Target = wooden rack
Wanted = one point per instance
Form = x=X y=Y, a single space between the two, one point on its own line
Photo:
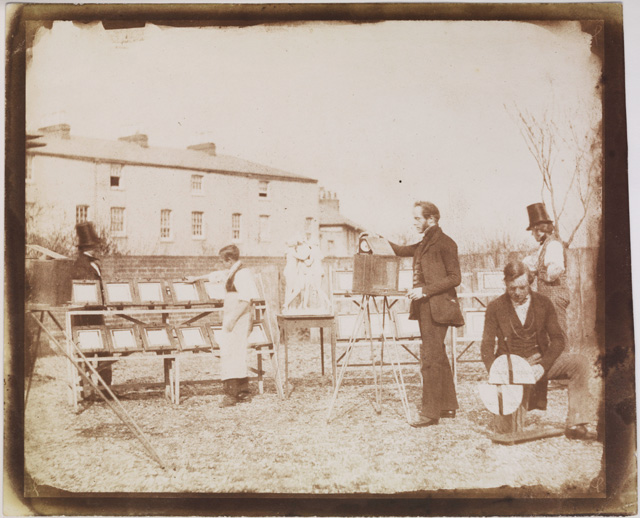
x=171 y=318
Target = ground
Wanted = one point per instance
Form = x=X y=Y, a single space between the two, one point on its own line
x=275 y=446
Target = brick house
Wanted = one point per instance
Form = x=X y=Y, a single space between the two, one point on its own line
x=338 y=235
x=163 y=201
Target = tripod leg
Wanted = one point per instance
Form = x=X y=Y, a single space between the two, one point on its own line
x=378 y=389
x=396 y=367
x=35 y=351
x=354 y=334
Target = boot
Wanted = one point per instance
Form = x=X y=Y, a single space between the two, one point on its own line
x=244 y=393
x=229 y=390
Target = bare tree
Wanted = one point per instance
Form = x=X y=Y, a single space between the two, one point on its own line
x=580 y=153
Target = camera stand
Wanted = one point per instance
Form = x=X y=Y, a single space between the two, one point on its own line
x=364 y=319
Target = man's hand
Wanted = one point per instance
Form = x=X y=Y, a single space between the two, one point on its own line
x=535 y=359
x=538 y=371
x=415 y=293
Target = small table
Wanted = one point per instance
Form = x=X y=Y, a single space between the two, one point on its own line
x=289 y=323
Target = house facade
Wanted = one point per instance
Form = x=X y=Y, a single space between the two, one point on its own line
x=161 y=201
x=338 y=235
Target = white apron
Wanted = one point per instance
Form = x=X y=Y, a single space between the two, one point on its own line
x=234 y=344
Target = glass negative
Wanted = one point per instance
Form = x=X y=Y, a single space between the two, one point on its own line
x=119 y=292
x=85 y=293
x=124 y=339
x=193 y=337
x=158 y=337
x=150 y=291
x=185 y=291
x=90 y=339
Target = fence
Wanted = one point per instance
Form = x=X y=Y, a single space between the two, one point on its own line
x=582 y=273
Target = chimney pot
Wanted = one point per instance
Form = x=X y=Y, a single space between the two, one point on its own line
x=206 y=147
x=139 y=138
x=57 y=130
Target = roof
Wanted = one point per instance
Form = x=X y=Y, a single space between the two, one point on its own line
x=83 y=148
x=332 y=218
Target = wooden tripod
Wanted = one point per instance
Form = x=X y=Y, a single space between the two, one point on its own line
x=364 y=319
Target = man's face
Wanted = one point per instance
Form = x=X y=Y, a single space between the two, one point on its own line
x=537 y=234
x=419 y=222
x=518 y=289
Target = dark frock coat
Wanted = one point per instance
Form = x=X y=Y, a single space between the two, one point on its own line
x=436 y=256
x=549 y=337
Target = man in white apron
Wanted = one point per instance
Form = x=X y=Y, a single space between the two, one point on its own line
x=237 y=322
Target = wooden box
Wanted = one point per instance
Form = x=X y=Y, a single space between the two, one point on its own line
x=376 y=274
x=49 y=281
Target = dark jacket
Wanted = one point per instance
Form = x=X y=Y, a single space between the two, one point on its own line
x=549 y=337
x=438 y=258
x=497 y=324
x=82 y=270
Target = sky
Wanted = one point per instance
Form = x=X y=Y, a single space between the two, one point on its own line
x=383 y=114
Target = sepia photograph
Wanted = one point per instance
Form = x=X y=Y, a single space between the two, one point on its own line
x=318 y=259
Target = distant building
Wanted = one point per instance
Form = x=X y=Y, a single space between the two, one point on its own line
x=165 y=201
x=338 y=235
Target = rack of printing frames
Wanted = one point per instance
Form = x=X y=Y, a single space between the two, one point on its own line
x=142 y=319
x=157 y=318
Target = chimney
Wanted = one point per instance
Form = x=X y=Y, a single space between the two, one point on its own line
x=57 y=130
x=207 y=147
x=139 y=138
x=329 y=201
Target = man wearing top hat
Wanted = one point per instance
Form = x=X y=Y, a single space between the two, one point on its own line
x=549 y=263
x=87 y=267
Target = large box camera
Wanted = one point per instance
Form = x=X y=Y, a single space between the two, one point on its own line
x=376 y=268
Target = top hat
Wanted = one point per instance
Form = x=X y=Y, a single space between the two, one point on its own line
x=537 y=214
x=87 y=235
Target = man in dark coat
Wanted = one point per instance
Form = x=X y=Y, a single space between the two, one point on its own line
x=525 y=324
x=87 y=267
x=434 y=303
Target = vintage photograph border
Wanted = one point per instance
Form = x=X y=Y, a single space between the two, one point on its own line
x=614 y=312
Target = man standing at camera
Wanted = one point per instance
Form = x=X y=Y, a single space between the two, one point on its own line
x=434 y=303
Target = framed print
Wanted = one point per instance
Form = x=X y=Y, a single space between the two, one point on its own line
x=86 y=293
x=92 y=339
x=119 y=293
x=159 y=338
x=193 y=338
x=152 y=292
x=125 y=339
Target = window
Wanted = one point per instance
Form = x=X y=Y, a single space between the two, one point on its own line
x=264 y=231
x=117 y=220
x=331 y=247
x=263 y=189
x=308 y=227
x=196 y=183
x=197 y=225
x=115 y=172
x=165 y=225
x=82 y=213
x=236 y=221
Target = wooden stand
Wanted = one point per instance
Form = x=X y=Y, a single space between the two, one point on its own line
x=170 y=358
x=290 y=323
x=510 y=429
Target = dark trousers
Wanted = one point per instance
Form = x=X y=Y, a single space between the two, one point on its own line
x=438 y=390
x=575 y=368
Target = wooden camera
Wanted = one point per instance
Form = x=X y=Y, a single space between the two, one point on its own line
x=376 y=268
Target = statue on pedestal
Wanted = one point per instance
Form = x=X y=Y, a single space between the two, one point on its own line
x=303 y=274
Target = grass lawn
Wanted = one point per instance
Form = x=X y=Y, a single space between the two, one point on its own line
x=273 y=446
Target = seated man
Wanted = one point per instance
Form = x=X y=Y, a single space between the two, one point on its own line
x=525 y=324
